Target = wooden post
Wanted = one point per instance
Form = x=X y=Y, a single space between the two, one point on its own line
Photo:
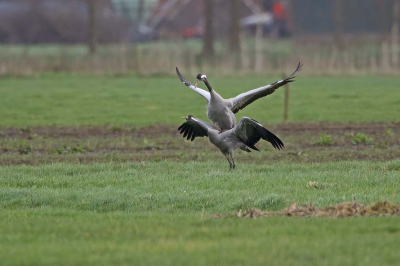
x=286 y=110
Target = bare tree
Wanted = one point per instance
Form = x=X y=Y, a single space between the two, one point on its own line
x=92 y=27
x=395 y=33
x=234 y=30
x=258 y=43
x=234 y=33
x=258 y=64
x=208 y=39
x=338 y=23
x=382 y=19
x=140 y=11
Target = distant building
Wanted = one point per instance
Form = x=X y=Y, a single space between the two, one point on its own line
x=185 y=18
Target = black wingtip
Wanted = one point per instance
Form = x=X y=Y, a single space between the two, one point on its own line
x=179 y=74
x=291 y=77
x=181 y=78
x=271 y=138
x=299 y=66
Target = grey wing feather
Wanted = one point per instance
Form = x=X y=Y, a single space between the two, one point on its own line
x=195 y=128
x=246 y=98
x=250 y=132
x=203 y=93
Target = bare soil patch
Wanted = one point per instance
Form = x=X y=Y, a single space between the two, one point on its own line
x=109 y=131
x=87 y=144
x=82 y=132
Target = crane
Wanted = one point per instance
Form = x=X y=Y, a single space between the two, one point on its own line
x=243 y=136
x=222 y=111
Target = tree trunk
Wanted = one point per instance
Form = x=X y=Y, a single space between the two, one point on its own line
x=258 y=43
x=338 y=23
x=208 y=39
x=234 y=30
x=382 y=20
x=92 y=27
x=395 y=33
x=234 y=34
x=244 y=54
x=258 y=48
x=140 y=12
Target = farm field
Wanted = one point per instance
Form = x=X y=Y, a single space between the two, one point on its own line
x=159 y=213
x=94 y=100
x=94 y=172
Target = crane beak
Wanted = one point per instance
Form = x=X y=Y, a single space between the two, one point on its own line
x=197 y=82
x=184 y=117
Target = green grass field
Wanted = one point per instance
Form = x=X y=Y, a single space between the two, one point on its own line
x=94 y=172
x=151 y=214
x=93 y=100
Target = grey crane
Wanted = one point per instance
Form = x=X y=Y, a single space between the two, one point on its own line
x=243 y=136
x=222 y=111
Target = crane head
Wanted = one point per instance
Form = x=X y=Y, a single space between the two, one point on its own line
x=200 y=77
x=189 y=117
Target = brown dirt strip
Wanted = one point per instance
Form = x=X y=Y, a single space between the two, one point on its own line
x=88 y=144
x=107 y=131
x=342 y=210
x=82 y=132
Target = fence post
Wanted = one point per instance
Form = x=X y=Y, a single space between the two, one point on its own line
x=286 y=110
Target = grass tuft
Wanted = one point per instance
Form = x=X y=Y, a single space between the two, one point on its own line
x=361 y=138
x=324 y=140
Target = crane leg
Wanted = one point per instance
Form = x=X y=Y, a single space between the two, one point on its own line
x=227 y=157
x=233 y=161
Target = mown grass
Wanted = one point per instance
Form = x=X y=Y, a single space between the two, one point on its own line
x=77 y=99
x=151 y=214
x=171 y=187
x=73 y=238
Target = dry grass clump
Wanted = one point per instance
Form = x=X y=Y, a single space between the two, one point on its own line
x=341 y=210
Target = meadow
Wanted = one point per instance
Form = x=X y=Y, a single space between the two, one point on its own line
x=67 y=99
x=94 y=172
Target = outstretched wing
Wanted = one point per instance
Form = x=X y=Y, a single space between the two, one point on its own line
x=250 y=132
x=246 y=98
x=195 y=127
x=203 y=93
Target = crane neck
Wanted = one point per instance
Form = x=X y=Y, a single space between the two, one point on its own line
x=208 y=85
